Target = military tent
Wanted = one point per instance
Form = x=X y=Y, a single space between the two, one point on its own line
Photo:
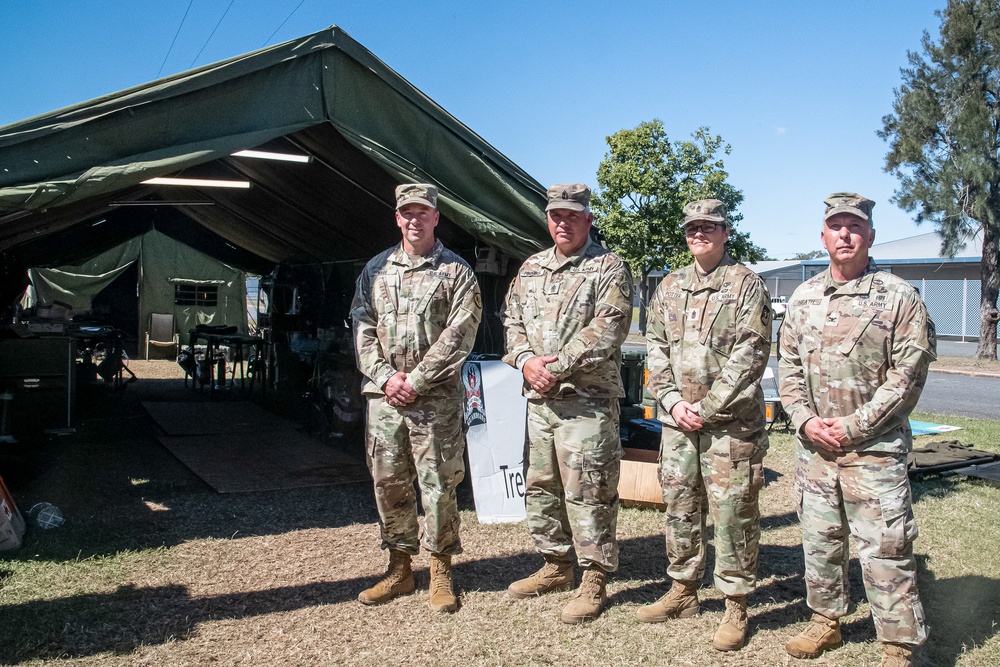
x=75 y=182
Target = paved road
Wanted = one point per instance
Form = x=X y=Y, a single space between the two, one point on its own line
x=950 y=394
x=946 y=393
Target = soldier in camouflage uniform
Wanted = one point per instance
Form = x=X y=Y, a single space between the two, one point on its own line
x=855 y=348
x=568 y=312
x=708 y=342
x=416 y=310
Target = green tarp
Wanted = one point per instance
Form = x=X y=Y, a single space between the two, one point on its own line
x=366 y=127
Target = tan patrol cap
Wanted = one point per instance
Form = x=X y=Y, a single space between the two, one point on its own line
x=709 y=210
x=416 y=193
x=849 y=202
x=572 y=196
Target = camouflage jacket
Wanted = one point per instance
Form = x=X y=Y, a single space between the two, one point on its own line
x=858 y=351
x=419 y=318
x=577 y=308
x=707 y=342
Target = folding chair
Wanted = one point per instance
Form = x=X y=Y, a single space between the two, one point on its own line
x=161 y=332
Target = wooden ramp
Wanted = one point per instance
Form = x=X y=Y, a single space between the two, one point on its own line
x=237 y=447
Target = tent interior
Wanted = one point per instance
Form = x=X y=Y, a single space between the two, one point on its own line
x=147 y=275
x=76 y=182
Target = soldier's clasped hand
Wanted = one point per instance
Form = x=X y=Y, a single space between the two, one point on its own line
x=686 y=415
x=823 y=435
x=398 y=391
x=537 y=375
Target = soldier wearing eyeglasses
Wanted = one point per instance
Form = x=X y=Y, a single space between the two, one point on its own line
x=708 y=341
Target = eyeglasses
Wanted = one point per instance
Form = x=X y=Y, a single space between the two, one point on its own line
x=704 y=228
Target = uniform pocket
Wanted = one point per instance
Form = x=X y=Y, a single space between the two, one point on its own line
x=599 y=471
x=899 y=528
x=741 y=450
x=865 y=344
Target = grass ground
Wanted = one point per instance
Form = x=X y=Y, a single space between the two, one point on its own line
x=154 y=568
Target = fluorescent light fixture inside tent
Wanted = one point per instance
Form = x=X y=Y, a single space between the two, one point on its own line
x=198 y=182
x=267 y=155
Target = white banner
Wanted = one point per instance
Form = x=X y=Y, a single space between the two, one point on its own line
x=495 y=412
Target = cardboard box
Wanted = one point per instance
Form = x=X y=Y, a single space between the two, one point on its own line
x=639 y=481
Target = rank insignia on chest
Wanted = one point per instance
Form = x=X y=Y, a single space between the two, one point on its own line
x=553 y=288
x=405 y=292
x=692 y=314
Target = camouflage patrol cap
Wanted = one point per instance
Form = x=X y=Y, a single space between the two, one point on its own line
x=572 y=196
x=709 y=210
x=416 y=193
x=849 y=202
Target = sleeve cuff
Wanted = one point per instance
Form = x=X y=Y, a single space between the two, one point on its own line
x=853 y=430
x=382 y=379
x=669 y=399
x=522 y=359
x=799 y=418
x=416 y=380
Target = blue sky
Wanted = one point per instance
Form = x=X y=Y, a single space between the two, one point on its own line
x=798 y=89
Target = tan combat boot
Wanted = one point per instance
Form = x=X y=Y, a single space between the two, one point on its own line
x=822 y=634
x=554 y=576
x=442 y=594
x=589 y=599
x=732 y=632
x=680 y=602
x=398 y=580
x=896 y=655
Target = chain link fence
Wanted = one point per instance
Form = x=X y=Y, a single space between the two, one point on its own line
x=953 y=305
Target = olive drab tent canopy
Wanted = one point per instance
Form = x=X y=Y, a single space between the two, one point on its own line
x=71 y=181
x=172 y=279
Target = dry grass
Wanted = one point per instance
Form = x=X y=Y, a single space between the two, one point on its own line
x=966 y=365
x=154 y=568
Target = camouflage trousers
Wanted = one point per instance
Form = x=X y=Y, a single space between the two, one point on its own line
x=717 y=475
x=422 y=441
x=866 y=494
x=571 y=498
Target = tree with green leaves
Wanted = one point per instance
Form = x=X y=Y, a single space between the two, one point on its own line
x=944 y=137
x=643 y=183
x=812 y=254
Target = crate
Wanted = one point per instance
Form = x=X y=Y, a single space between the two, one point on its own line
x=639 y=480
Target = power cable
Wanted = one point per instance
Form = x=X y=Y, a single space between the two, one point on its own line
x=184 y=18
x=231 y=2
x=282 y=23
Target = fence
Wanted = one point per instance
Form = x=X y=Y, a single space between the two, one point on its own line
x=953 y=305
